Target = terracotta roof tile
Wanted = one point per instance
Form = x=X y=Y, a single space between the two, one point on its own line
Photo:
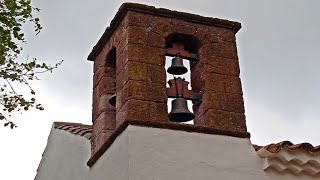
x=87 y=135
x=84 y=131
x=286 y=157
x=75 y=128
x=76 y=131
x=287 y=145
x=64 y=127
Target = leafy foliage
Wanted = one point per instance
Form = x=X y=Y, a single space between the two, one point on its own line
x=13 y=15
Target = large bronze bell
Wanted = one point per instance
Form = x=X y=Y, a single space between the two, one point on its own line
x=177 y=67
x=112 y=100
x=180 y=111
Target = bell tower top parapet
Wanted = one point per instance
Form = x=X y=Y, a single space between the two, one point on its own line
x=151 y=10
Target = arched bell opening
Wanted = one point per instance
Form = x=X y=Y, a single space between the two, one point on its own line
x=187 y=78
x=189 y=42
x=111 y=64
x=181 y=54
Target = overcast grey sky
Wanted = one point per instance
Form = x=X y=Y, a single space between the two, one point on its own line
x=278 y=50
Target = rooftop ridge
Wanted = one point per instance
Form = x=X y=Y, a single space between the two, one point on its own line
x=288 y=145
x=86 y=131
x=75 y=128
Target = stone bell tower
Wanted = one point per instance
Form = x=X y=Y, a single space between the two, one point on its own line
x=129 y=64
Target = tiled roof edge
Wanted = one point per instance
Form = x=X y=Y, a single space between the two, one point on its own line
x=287 y=145
x=125 y=7
x=161 y=125
x=75 y=128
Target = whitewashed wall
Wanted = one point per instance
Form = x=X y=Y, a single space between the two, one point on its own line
x=64 y=157
x=141 y=153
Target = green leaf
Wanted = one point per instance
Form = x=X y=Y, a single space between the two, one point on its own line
x=16 y=28
x=13 y=16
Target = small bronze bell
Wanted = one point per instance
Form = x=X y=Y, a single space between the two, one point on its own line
x=177 y=67
x=180 y=111
x=112 y=100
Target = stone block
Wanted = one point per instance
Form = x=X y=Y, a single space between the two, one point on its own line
x=94 y=96
x=144 y=36
x=118 y=35
x=228 y=50
x=158 y=111
x=132 y=71
x=100 y=60
x=207 y=82
x=203 y=81
x=233 y=85
x=146 y=54
x=104 y=105
x=133 y=110
x=219 y=101
x=103 y=71
x=122 y=44
x=122 y=59
x=220 y=49
x=156 y=74
x=145 y=91
x=101 y=105
x=140 y=20
x=209 y=50
x=207 y=34
x=119 y=100
x=94 y=114
x=210 y=101
x=105 y=121
x=100 y=139
x=164 y=27
x=95 y=103
x=231 y=102
x=183 y=27
x=223 y=120
x=106 y=86
x=217 y=65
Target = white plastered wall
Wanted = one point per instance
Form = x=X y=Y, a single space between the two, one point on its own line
x=64 y=157
x=141 y=153
x=168 y=154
